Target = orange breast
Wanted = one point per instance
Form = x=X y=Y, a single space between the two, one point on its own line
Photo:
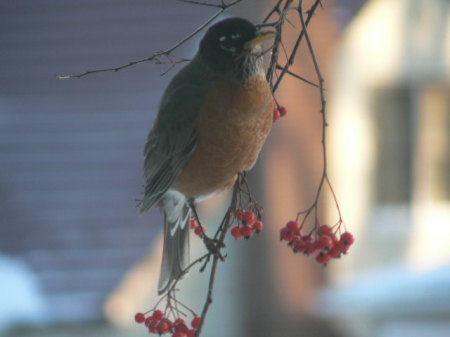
x=233 y=124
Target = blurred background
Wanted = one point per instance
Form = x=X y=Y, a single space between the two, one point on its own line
x=76 y=257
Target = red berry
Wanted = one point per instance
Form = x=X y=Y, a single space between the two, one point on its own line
x=282 y=111
x=323 y=258
x=158 y=315
x=310 y=248
x=148 y=320
x=293 y=226
x=324 y=230
x=307 y=238
x=194 y=224
x=236 y=232
x=152 y=326
x=200 y=230
x=325 y=242
x=169 y=323
x=285 y=234
x=249 y=218
x=276 y=114
x=196 y=322
x=347 y=239
x=310 y=245
x=139 y=317
x=162 y=327
x=343 y=247
x=335 y=250
x=299 y=245
x=258 y=226
x=179 y=321
x=191 y=333
x=181 y=327
x=179 y=334
x=240 y=214
x=246 y=231
x=333 y=237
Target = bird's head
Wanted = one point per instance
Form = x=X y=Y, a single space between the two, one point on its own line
x=234 y=46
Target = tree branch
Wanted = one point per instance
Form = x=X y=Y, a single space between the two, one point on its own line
x=223 y=7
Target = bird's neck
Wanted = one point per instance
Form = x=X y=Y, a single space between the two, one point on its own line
x=242 y=69
x=248 y=67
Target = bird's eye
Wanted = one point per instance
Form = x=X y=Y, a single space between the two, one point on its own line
x=230 y=49
x=227 y=43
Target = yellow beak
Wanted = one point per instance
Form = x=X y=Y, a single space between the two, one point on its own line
x=262 y=37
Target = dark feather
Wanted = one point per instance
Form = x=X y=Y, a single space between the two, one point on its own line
x=173 y=138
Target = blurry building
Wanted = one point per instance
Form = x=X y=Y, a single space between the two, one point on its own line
x=390 y=148
x=70 y=167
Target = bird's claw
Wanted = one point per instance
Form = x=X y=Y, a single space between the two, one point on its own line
x=214 y=246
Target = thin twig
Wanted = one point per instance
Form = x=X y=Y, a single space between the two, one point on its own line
x=324 y=178
x=185 y=270
x=278 y=39
x=275 y=9
x=336 y=203
x=298 y=76
x=222 y=5
x=228 y=219
x=222 y=9
x=297 y=42
x=200 y=3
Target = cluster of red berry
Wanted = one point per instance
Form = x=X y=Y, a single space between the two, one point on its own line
x=278 y=112
x=322 y=242
x=158 y=324
x=197 y=228
x=249 y=225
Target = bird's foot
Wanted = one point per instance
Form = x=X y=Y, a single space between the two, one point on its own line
x=214 y=246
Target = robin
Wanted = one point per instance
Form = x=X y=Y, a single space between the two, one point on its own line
x=212 y=122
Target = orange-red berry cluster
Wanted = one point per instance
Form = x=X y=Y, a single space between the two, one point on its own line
x=158 y=324
x=197 y=228
x=322 y=242
x=248 y=225
x=278 y=112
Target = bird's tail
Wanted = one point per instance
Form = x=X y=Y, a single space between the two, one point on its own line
x=177 y=214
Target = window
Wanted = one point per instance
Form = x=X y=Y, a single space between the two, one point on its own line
x=394 y=124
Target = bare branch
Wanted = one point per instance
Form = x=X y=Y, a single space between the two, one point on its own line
x=297 y=43
x=132 y=63
x=278 y=39
x=200 y=3
x=324 y=178
x=223 y=7
x=298 y=76
x=223 y=229
x=275 y=9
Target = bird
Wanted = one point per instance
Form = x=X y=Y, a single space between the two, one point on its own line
x=212 y=122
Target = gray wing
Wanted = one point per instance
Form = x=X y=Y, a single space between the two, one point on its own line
x=172 y=139
x=175 y=258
